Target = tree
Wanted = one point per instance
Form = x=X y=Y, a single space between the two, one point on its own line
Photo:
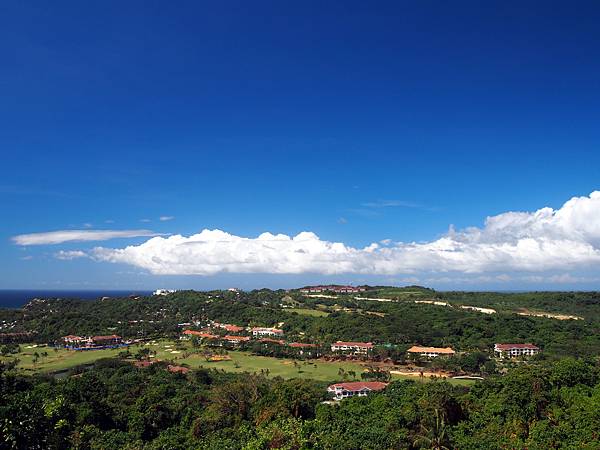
x=433 y=433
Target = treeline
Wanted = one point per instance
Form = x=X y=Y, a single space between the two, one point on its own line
x=117 y=406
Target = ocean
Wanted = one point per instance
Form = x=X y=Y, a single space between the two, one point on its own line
x=15 y=298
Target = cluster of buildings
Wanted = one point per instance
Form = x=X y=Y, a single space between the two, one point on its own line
x=93 y=342
x=333 y=288
x=263 y=335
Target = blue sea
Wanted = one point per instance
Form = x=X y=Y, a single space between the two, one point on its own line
x=15 y=298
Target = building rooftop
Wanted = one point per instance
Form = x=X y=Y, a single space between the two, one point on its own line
x=442 y=350
x=354 y=344
x=301 y=345
x=512 y=346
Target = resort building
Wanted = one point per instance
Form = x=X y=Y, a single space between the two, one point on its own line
x=94 y=342
x=199 y=334
x=515 y=350
x=228 y=327
x=163 y=291
x=236 y=340
x=102 y=341
x=302 y=348
x=352 y=348
x=333 y=288
x=341 y=391
x=430 y=352
x=259 y=332
x=75 y=341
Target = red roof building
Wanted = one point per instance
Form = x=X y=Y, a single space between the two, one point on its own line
x=272 y=341
x=106 y=340
x=200 y=334
x=228 y=327
x=355 y=388
x=236 y=340
x=515 y=350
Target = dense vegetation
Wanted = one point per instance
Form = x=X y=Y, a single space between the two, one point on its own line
x=115 y=405
x=550 y=401
x=400 y=323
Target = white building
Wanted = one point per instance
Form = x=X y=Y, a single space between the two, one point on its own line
x=341 y=391
x=163 y=291
x=352 y=348
x=261 y=332
x=515 y=350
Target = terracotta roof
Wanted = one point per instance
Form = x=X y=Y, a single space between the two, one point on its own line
x=272 y=341
x=233 y=328
x=200 y=334
x=105 y=338
x=511 y=346
x=359 y=386
x=271 y=330
x=354 y=344
x=442 y=350
x=301 y=345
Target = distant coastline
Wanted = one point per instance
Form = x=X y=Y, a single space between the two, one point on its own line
x=16 y=298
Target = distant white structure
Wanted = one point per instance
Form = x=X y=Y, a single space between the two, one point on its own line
x=163 y=291
x=260 y=332
x=481 y=310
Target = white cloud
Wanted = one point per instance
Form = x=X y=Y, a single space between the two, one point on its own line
x=70 y=254
x=166 y=218
x=58 y=237
x=539 y=241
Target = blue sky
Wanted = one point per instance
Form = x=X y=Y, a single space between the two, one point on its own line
x=353 y=121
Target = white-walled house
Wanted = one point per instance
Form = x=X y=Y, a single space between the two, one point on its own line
x=515 y=350
x=352 y=348
x=341 y=391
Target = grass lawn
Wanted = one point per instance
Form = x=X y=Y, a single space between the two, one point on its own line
x=178 y=352
x=308 y=312
x=57 y=359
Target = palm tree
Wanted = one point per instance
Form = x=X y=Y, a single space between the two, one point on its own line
x=434 y=436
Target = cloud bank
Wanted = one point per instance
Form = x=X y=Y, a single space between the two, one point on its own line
x=61 y=236
x=544 y=240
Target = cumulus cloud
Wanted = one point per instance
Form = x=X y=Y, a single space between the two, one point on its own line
x=536 y=241
x=61 y=236
x=166 y=218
